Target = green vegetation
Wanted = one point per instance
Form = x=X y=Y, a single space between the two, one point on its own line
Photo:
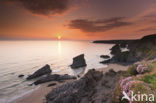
x=151 y=54
x=142 y=88
x=132 y=70
x=144 y=83
x=150 y=79
x=145 y=50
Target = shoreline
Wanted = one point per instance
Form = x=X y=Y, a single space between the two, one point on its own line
x=38 y=96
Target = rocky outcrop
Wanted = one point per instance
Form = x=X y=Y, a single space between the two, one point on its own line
x=123 y=45
x=115 y=49
x=121 y=57
x=78 y=61
x=54 y=77
x=94 y=87
x=105 y=56
x=139 y=49
x=43 y=71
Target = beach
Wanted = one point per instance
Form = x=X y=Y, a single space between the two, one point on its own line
x=38 y=96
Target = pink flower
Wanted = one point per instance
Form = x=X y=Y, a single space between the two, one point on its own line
x=123 y=81
x=141 y=68
x=126 y=85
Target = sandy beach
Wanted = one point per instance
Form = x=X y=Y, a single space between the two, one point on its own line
x=38 y=96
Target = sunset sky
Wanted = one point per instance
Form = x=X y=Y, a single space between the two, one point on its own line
x=77 y=19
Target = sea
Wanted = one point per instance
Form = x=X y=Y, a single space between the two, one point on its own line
x=25 y=57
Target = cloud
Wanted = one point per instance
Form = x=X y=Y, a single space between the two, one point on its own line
x=43 y=7
x=147 y=29
x=98 y=25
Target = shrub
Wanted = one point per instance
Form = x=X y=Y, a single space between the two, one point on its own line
x=132 y=70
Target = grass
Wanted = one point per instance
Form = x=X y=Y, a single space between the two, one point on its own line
x=150 y=79
x=142 y=88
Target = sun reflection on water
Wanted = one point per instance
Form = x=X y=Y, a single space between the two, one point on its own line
x=59 y=48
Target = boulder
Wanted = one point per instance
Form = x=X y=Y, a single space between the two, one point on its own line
x=21 y=75
x=54 y=77
x=78 y=61
x=105 y=56
x=43 y=71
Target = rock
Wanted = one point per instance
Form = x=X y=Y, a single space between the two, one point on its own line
x=78 y=61
x=31 y=84
x=52 y=84
x=115 y=49
x=94 y=87
x=123 y=45
x=105 y=56
x=106 y=61
x=139 y=49
x=54 y=77
x=43 y=71
x=21 y=75
x=121 y=57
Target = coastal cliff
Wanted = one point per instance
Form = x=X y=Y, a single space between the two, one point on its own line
x=144 y=48
x=99 y=87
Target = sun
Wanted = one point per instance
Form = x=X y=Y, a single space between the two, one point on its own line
x=59 y=37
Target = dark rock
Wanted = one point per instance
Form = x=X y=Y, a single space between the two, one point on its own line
x=105 y=56
x=123 y=45
x=54 y=77
x=78 y=76
x=31 y=84
x=43 y=71
x=21 y=75
x=78 y=61
x=139 y=49
x=88 y=89
x=115 y=49
x=106 y=61
x=52 y=84
x=121 y=57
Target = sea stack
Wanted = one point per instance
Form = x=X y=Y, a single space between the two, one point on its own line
x=78 y=61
